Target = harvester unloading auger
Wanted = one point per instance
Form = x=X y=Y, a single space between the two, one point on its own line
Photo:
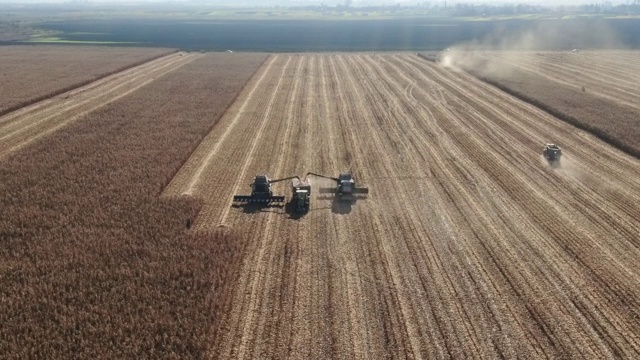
x=345 y=188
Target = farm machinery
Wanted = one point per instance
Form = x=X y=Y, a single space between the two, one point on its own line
x=261 y=193
x=345 y=189
x=552 y=153
x=300 y=194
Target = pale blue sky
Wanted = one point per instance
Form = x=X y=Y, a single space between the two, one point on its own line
x=355 y=3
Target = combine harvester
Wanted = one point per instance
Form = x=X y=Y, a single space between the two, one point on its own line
x=552 y=153
x=345 y=188
x=261 y=193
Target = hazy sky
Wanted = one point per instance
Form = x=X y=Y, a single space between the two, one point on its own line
x=355 y=3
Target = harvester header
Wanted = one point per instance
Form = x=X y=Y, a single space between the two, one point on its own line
x=261 y=192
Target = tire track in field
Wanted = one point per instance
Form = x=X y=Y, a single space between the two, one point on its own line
x=453 y=177
x=20 y=128
x=448 y=81
x=355 y=294
x=454 y=348
x=578 y=249
x=529 y=135
x=400 y=331
x=240 y=339
x=414 y=110
x=499 y=112
x=312 y=311
x=294 y=287
x=411 y=115
x=330 y=279
x=378 y=109
x=463 y=176
x=265 y=288
x=543 y=125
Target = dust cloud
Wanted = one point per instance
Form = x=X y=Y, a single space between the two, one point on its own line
x=545 y=35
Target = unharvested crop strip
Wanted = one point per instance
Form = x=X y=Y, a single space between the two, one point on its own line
x=14 y=139
x=623 y=96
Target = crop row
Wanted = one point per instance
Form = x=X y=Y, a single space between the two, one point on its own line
x=32 y=74
x=93 y=262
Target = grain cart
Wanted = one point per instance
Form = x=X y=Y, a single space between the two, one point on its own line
x=300 y=194
x=345 y=189
x=261 y=192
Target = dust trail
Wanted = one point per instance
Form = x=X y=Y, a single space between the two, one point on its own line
x=478 y=55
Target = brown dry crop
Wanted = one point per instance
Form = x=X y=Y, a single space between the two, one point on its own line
x=33 y=73
x=469 y=244
x=30 y=123
x=93 y=264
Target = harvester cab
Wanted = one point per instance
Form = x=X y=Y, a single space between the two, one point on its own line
x=345 y=189
x=552 y=152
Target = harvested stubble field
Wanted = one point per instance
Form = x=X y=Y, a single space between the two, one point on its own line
x=32 y=73
x=469 y=245
x=595 y=90
x=93 y=264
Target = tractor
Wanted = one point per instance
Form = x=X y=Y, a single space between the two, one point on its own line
x=300 y=194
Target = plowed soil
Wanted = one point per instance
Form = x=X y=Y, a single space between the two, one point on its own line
x=23 y=126
x=469 y=244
